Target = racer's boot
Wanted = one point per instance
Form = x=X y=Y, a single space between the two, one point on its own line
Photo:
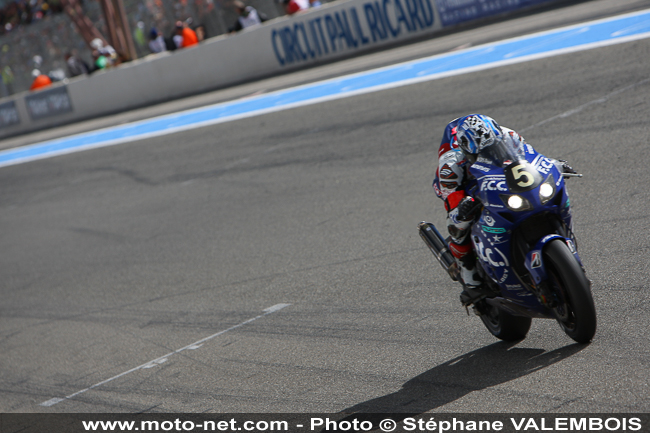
x=474 y=288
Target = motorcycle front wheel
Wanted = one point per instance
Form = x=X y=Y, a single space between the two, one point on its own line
x=575 y=310
x=503 y=325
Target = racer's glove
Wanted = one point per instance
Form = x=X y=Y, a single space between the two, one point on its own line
x=566 y=168
x=467 y=209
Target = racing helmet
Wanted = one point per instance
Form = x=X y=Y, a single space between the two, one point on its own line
x=476 y=132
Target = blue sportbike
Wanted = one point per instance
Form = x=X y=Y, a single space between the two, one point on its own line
x=526 y=250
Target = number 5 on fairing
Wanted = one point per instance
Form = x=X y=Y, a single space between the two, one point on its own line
x=521 y=176
x=519 y=171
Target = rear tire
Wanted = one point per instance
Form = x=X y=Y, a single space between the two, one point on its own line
x=503 y=325
x=575 y=311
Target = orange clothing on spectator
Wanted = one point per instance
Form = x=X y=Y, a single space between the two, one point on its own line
x=40 y=81
x=189 y=37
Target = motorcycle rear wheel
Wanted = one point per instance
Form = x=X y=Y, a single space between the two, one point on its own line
x=575 y=311
x=503 y=325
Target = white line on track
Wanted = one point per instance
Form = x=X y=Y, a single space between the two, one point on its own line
x=164 y=358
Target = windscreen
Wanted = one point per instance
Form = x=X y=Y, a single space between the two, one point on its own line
x=501 y=153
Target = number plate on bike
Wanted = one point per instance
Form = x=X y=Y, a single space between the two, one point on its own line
x=522 y=176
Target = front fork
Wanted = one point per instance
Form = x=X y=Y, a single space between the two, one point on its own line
x=536 y=268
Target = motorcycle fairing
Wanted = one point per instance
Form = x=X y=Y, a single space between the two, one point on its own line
x=497 y=175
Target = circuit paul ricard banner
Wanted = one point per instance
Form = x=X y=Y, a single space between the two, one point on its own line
x=355 y=26
x=351 y=27
x=454 y=12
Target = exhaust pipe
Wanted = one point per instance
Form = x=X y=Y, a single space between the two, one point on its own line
x=439 y=247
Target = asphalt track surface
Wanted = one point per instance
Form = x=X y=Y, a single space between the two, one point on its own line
x=135 y=277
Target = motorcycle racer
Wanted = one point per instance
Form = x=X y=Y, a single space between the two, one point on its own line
x=461 y=143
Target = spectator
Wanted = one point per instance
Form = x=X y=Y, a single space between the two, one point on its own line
x=201 y=33
x=40 y=80
x=106 y=51
x=248 y=17
x=37 y=61
x=156 y=42
x=76 y=66
x=99 y=61
x=293 y=6
x=8 y=80
x=171 y=41
x=138 y=35
x=178 y=35
x=185 y=36
x=57 y=74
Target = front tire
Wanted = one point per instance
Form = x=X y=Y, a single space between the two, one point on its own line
x=503 y=325
x=575 y=310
